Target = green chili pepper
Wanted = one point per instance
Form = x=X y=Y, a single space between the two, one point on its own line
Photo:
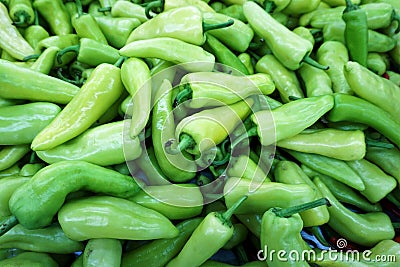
x=12 y=41
x=35 y=210
x=224 y=56
x=377 y=183
x=178 y=168
x=159 y=252
x=245 y=58
x=31 y=169
x=46 y=61
x=373 y=88
x=280 y=231
x=316 y=82
x=205 y=89
x=55 y=14
x=203 y=130
x=102 y=252
x=252 y=222
x=289 y=48
x=305 y=19
x=9 y=155
x=385 y=248
x=387 y=159
x=8 y=186
x=212 y=234
x=94 y=217
x=335 y=3
x=127 y=9
x=339 y=144
x=354 y=109
x=298 y=7
x=377 y=63
x=175 y=202
x=289 y=172
x=335 y=168
x=395 y=52
x=244 y=167
x=117 y=30
x=173 y=50
x=98 y=93
x=365 y=229
x=265 y=195
x=328 y=258
x=12 y=171
x=91 y=52
x=285 y=80
x=356 y=32
x=148 y=164
x=50 y=239
x=21 y=12
x=60 y=41
x=240 y=233
x=20 y=124
x=139 y=87
x=30 y=259
x=234 y=11
x=86 y=26
x=236 y=37
x=10 y=102
x=281 y=122
x=103 y=145
x=336 y=56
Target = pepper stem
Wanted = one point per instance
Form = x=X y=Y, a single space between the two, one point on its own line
x=7 y=223
x=373 y=143
x=350 y=6
x=222 y=161
x=186 y=141
x=226 y=216
x=104 y=9
x=185 y=94
x=285 y=213
x=120 y=61
x=150 y=7
x=62 y=77
x=269 y=6
x=314 y=63
x=209 y=26
x=73 y=48
x=21 y=20
x=79 y=7
x=34 y=56
x=251 y=132
x=36 y=18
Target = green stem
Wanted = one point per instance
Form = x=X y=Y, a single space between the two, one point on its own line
x=224 y=160
x=226 y=216
x=150 y=7
x=209 y=26
x=21 y=20
x=392 y=199
x=73 y=48
x=186 y=141
x=215 y=172
x=314 y=63
x=120 y=61
x=350 y=6
x=373 y=143
x=285 y=213
x=34 y=56
x=79 y=7
x=203 y=180
x=269 y=6
x=251 y=132
x=36 y=19
x=104 y=9
x=62 y=77
x=241 y=254
x=7 y=223
x=185 y=94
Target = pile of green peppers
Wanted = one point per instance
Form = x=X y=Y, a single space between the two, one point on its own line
x=199 y=132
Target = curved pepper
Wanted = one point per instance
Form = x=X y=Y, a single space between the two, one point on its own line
x=354 y=109
x=316 y=82
x=7 y=187
x=282 y=122
x=244 y=167
x=266 y=195
x=35 y=203
x=94 y=217
x=56 y=15
x=31 y=169
x=50 y=239
x=20 y=124
x=35 y=86
x=298 y=7
x=60 y=41
x=339 y=144
x=102 y=252
x=173 y=201
x=245 y=58
x=365 y=229
x=240 y=233
x=126 y=9
x=217 y=88
x=377 y=63
x=100 y=91
x=148 y=164
x=179 y=167
x=30 y=259
x=21 y=12
x=103 y=145
x=12 y=41
x=289 y=48
x=159 y=252
x=173 y=50
x=9 y=155
x=388 y=159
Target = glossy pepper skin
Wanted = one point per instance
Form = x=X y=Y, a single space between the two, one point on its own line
x=9 y=155
x=102 y=252
x=373 y=88
x=316 y=82
x=35 y=86
x=128 y=9
x=175 y=202
x=35 y=117
x=173 y=50
x=12 y=41
x=55 y=14
x=356 y=32
x=339 y=144
x=30 y=259
x=282 y=122
x=159 y=252
x=46 y=61
x=94 y=217
x=178 y=168
x=354 y=109
x=50 y=239
x=7 y=187
x=103 y=145
x=244 y=167
x=139 y=87
x=335 y=168
x=387 y=159
x=279 y=38
x=218 y=88
x=21 y=12
x=35 y=203
x=365 y=229
x=60 y=41
x=98 y=93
